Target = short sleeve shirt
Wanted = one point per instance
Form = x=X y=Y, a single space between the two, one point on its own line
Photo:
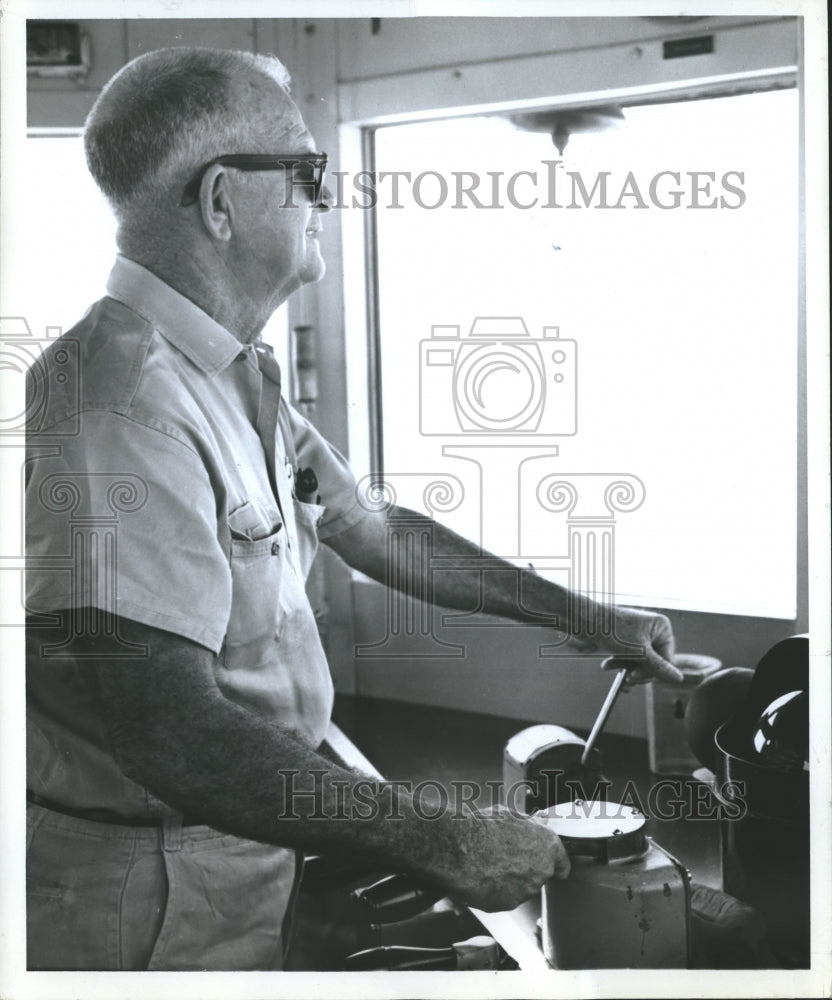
x=148 y=495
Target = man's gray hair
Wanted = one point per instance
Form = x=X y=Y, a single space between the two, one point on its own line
x=166 y=113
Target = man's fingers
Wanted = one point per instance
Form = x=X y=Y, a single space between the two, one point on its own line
x=563 y=866
x=665 y=648
x=662 y=669
x=664 y=644
x=651 y=666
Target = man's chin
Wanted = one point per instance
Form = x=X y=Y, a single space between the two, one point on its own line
x=313 y=272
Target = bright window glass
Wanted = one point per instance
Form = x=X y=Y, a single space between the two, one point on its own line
x=684 y=321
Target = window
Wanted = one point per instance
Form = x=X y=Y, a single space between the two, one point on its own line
x=669 y=267
x=66 y=243
x=66 y=235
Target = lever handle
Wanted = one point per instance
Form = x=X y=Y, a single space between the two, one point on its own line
x=400 y=957
x=481 y=952
x=603 y=715
x=395 y=898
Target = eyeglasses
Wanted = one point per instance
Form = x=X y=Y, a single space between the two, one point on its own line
x=306 y=170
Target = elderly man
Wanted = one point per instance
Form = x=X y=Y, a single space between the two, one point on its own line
x=175 y=674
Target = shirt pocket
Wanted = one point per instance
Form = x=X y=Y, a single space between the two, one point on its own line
x=255 y=621
x=307 y=518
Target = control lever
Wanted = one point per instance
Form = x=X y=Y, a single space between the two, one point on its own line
x=481 y=952
x=603 y=715
x=395 y=898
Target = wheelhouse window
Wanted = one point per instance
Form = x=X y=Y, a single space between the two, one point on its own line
x=630 y=301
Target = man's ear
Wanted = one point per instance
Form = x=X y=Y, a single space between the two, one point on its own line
x=215 y=202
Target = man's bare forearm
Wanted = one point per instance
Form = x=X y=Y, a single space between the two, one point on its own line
x=458 y=574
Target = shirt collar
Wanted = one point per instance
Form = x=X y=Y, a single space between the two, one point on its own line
x=181 y=322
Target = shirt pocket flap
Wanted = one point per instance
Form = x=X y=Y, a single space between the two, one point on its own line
x=246 y=522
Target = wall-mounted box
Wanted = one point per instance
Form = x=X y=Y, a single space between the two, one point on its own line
x=57 y=48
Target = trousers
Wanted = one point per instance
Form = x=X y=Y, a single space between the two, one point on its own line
x=102 y=896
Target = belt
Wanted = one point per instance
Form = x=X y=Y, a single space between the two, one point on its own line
x=104 y=815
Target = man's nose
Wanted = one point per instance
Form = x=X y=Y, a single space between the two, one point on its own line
x=326 y=202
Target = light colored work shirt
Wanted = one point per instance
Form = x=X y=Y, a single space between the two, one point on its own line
x=148 y=495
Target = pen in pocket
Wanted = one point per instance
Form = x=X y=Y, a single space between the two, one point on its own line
x=306 y=486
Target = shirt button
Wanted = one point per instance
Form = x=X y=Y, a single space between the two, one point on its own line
x=275 y=548
x=241 y=356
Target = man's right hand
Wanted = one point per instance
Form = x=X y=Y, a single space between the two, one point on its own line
x=502 y=860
